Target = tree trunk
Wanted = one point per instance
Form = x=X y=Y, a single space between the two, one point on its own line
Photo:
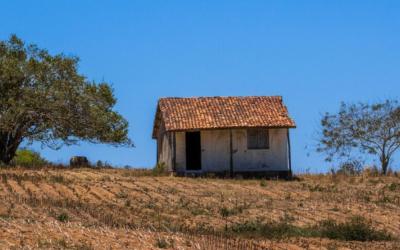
x=6 y=155
x=6 y=158
x=8 y=147
x=384 y=164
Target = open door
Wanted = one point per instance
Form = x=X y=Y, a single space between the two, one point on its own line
x=193 y=151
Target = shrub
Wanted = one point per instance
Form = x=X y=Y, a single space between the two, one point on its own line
x=393 y=186
x=263 y=183
x=357 y=229
x=28 y=158
x=372 y=171
x=271 y=230
x=63 y=217
x=99 y=164
x=225 y=212
x=350 y=168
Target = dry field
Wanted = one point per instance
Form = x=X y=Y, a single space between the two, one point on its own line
x=124 y=209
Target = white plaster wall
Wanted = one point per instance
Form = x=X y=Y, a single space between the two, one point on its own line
x=275 y=158
x=215 y=151
x=180 y=145
x=166 y=152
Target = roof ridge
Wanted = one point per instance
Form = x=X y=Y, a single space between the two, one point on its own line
x=238 y=97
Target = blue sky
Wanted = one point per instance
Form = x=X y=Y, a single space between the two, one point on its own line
x=313 y=53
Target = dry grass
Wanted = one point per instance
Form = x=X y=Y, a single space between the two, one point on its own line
x=122 y=209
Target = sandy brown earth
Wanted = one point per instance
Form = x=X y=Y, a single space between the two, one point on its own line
x=121 y=209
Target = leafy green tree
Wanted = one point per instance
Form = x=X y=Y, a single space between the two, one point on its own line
x=367 y=128
x=28 y=158
x=43 y=98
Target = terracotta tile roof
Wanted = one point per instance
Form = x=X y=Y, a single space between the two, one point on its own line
x=221 y=112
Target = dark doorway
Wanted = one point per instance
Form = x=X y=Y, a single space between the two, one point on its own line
x=193 y=151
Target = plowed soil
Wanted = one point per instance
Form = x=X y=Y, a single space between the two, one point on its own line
x=122 y=209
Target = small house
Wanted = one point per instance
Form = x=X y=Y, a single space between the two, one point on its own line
x=224 y=135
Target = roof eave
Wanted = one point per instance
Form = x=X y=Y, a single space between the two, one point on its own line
x=223 y=128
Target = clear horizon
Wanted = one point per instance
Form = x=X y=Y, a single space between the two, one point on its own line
x=315 y=54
